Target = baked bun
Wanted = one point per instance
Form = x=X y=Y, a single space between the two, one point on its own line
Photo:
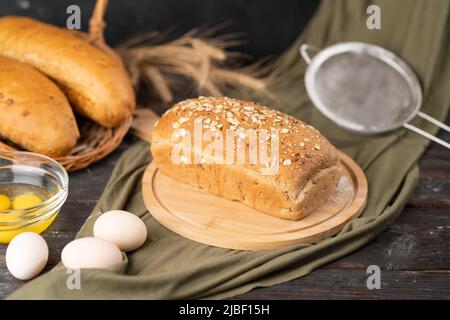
x=95 y=82
x=34 y=112
x=300 y=174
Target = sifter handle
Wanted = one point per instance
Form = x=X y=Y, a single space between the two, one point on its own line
x=433 y=121
x=304 y=48
x=426 y=134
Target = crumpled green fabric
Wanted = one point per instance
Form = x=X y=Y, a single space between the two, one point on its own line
x=169 y=266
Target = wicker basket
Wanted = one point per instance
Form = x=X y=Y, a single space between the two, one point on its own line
x=95 y=141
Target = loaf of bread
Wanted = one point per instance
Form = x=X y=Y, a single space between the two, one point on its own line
x=95 y=82
x=298 y=174
x=34 y=112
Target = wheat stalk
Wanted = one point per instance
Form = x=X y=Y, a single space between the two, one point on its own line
x=196 y=56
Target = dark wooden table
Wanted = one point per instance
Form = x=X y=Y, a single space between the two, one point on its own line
x=413 y=254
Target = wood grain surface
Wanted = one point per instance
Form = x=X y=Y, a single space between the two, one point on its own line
x=413 y=254
x=207 y=218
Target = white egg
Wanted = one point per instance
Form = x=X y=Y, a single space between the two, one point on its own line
x=123 y=228
x=90 y=253
x=26 y=255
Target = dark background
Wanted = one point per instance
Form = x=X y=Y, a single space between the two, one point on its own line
x=270 y=26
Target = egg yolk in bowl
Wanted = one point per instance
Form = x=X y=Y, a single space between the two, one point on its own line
x=9 y=207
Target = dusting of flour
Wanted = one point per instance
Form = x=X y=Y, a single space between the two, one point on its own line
x=343 y=190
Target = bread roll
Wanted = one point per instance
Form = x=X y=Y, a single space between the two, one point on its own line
x=302 y=174
x=34 y=112
x=95 y=82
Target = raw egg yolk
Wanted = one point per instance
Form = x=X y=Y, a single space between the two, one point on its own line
x=5 y=203
x=26 y=201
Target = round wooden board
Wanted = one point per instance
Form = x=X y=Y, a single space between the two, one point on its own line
x=207 y=218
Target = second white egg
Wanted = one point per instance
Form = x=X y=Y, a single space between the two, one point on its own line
x=90 y=253
x=123 y=228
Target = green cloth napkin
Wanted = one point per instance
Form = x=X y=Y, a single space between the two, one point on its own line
x=169 y=266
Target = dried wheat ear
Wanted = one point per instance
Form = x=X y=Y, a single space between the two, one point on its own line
x=196 y=57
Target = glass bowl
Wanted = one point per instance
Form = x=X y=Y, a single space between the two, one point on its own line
x=22 y=171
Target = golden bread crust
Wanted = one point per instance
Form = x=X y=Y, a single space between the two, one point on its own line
x=95 y=82
x=35 y=113
x=308 y=169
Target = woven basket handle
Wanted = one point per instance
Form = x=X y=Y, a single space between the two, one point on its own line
x=97 y=24
x=96 y=27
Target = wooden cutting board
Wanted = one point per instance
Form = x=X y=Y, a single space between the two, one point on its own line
x=204 y=217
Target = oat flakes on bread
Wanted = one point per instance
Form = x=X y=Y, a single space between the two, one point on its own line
x=308 y=170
